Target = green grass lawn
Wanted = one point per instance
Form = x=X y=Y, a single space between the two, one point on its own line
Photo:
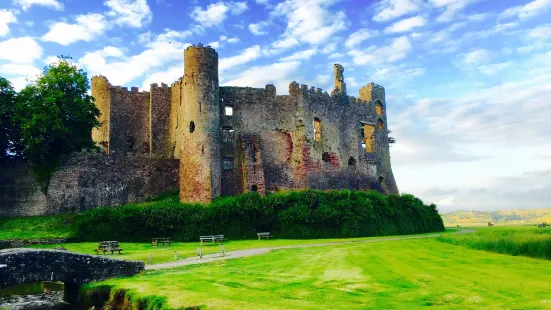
x=37 y=227
x=163 y=254
x=515 y=240
x=387 y=275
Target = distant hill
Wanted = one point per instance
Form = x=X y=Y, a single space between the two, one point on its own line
x=504 y=217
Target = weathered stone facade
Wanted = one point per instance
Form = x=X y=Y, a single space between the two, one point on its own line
x=232 y=140
x=86 y=180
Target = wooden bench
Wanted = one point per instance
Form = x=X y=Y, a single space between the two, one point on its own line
x=263 y=235
x=160 y=241
x=212 y=238
x=108 y=246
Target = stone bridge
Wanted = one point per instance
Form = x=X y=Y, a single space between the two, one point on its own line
x=36 y=265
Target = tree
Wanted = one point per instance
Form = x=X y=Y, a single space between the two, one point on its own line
x=57 y=116
x=10 y=141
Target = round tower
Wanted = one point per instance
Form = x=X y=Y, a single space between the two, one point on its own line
x=200 y=161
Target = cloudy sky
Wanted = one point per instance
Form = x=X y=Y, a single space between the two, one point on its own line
x=468 y=82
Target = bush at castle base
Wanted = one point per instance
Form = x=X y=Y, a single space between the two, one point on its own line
x=294 y=215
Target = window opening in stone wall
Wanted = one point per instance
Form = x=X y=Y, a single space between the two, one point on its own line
x=191 y=126
x=380 y=124
x=254 y=188
x=368 y=135
x=228 y=110
x=252 y=153
x=228 y=135
x=351 y=161
x=382 y=182
x=317 y=129
x=325 y=157
x=379 y=108
x=227 y=164
x=130 y=143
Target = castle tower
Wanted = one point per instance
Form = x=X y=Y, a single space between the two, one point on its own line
x=340 y=85
x=375 y=95
x=101 y=91
x=200 y=159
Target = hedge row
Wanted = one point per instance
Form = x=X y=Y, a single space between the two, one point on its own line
x=294 y=215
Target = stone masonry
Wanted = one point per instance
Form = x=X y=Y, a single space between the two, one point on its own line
x=231 y=140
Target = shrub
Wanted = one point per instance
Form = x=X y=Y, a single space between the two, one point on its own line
x=292 y=214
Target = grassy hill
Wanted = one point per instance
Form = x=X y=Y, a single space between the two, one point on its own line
x=503 y=217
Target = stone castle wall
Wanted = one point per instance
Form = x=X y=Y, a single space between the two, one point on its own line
x=85 y=181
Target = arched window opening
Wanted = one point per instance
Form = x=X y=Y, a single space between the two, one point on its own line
x=254 y=188
x=380 y=124
x=227 y=164
x=382 y=182
x=317 y=129
x=191 y=126
x=351 y=161
x=379 y=108
x=228 y=110
x=326 y=157
x=228 y=135
x=368 y=138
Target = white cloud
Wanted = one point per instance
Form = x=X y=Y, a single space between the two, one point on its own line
x=407 y=24
x=541 y=32
x=310 y=21
x=280 y=76
x=6 y=18
x=476 y=57
x=233 y=40
x=23 y=50
x=529 y=10
x=121 y=70
x=399 y=49
x=329 y=48
x=451 y=8
x=26 y=4
x=86 y=28
x=387 y=10
x=167 y=77
x=247 y=55
x=131 y=13
x=493 y=69
x=358 y=37
x=19 y=69
x=259 y=28
x=301 y=55
x=285 y=43
x=216 y=13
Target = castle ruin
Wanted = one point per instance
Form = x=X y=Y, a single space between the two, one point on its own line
x=231 y=140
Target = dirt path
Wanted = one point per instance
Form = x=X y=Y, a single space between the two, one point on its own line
x=258 y=251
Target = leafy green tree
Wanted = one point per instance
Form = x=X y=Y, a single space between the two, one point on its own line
x=57 y=116
x=10 y=141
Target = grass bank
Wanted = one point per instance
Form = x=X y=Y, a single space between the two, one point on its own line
x=404 y=274
x=164 y=254
x=515 y=240
x=306 y=214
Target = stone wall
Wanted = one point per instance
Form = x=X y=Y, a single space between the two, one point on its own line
x=86 y=180
x=159 y=110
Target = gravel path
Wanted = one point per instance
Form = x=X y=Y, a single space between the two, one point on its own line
x=258 y=251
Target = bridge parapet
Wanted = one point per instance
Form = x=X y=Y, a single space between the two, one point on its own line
x=36 y=265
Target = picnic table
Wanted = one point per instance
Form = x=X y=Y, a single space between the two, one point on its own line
x=212 y=238
x=263 y=235
x=160 y=241
x=108 y=246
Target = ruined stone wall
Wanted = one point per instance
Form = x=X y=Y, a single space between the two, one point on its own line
x=176 y=130
x=130 y=121
x=101 y=91
x=290 y=156
x=200 y=160
x=84 y=181
x=159 y=113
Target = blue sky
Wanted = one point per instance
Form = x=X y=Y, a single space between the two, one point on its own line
x=468 y=82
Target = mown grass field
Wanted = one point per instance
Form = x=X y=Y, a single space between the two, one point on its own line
x=403 y=274
x=515 y=240
x=163 y=254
